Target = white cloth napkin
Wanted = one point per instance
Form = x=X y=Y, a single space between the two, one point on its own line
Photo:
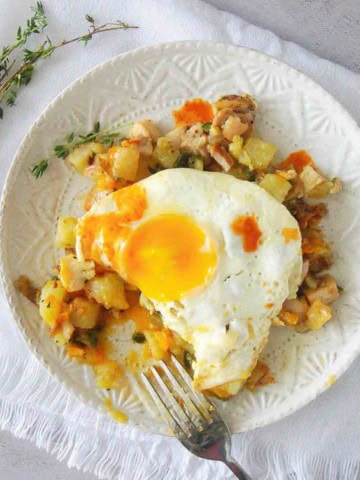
x=319 y=442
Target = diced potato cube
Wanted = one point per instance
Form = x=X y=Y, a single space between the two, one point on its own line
x=276 y=185
x=84 y=313
x=52 y=297
x=165 y=153
x=124 y=162
x=261 y=153
x=75 y=273
x=108 y=290
x=236 y=147
x=65 y=232
x=244 y=159
x=80 y=158
x=325 y=188
x=108 y=374
x=318 y=315
x=62 y=329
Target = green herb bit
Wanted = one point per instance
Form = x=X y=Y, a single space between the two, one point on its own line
x=139 y=337
x=73 y=141
x=10 y=83
x=196 y=162
x=188 y=359
x=93 y=337
x=182 y=160
x=40 y=168
x=206 y=127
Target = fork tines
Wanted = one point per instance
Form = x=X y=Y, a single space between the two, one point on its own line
x=173 y=394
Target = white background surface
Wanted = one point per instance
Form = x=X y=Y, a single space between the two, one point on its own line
x=310 y=23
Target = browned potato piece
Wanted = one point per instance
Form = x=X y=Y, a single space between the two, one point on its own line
x=84 y=313
x=108 y=289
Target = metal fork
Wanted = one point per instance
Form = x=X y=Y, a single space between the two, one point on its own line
x=190 y=415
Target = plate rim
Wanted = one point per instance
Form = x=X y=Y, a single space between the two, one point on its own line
x=11 y=179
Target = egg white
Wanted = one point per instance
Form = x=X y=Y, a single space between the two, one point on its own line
x=227 y=320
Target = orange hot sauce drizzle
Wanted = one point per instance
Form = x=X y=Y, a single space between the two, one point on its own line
x=247 y=227
x=299 y=160
x=193 y=111
x=290 y=234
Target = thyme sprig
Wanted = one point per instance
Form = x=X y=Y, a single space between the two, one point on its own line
x=35 y=24
x=106 y=137
x=12 y=81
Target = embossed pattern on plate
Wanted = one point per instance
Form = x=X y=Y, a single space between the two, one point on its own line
x=294 y=113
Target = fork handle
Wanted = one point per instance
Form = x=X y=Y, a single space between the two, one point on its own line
x=235 y=468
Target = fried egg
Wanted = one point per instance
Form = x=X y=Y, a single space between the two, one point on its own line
x=216 y=256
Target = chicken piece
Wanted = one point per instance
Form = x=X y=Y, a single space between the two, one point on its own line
x=74 y=273
x=221 y=156
x=327 y=291
x=145 y=128
x=175 y=136
x=247 y=119
x=297 y=190
x=311 y=178
x=234 y=126
x=221 y=117
x=195 y=141
x=243 y=103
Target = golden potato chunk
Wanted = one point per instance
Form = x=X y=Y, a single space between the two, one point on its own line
x=124 y=162
x=318 y=315
x=84 y=313
x=165 y=153
x=52 y=297
x=276 y=185
x=236 y=147
x=108 y=290
x=65 y=232
x=261 y=153
x=81 y=157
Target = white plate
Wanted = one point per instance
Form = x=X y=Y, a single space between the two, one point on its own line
x=294 y=113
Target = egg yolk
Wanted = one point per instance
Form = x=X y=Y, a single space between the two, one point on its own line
x=168 y=256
